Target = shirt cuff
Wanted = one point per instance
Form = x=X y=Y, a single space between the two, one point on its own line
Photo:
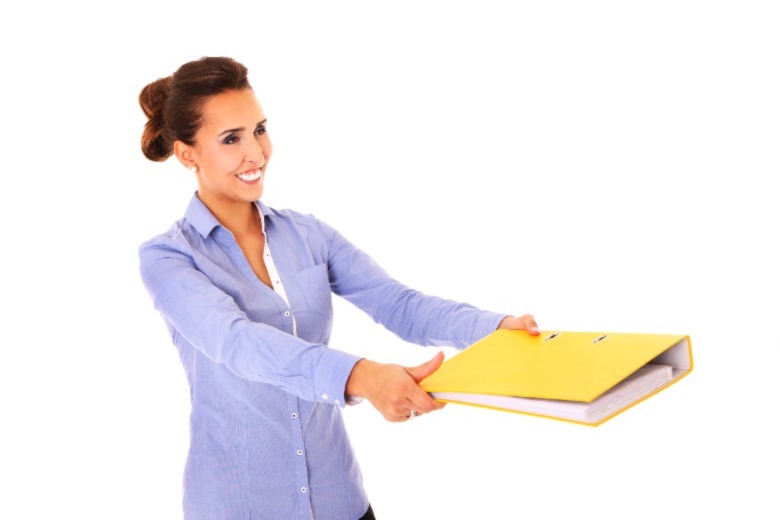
x=333 y=372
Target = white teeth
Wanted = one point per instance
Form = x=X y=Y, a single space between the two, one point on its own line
x=249 y=177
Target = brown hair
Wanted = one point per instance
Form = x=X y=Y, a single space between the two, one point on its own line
x=173 y=104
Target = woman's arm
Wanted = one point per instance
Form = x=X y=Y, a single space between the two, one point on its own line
x=415 y=317
x=209 y=319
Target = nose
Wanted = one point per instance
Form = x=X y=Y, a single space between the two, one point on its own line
x=254 y=153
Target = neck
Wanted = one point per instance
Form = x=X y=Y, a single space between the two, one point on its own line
x=238 y=217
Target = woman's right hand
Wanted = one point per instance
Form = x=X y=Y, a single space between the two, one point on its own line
x=392 y=389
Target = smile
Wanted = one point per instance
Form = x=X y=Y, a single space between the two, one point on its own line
x=250 y=176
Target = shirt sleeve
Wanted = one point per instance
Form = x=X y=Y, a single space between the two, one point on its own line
x=410 y=314
x=211 y=321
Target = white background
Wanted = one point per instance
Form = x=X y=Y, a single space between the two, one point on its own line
x=605 y=166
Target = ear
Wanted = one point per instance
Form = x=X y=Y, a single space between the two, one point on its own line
x=184 y=153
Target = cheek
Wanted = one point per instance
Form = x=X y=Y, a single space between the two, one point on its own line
x=225 y=159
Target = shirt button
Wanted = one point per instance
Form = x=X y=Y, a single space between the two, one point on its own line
x=303 y=490
x=294 y=415
x=325 y=396
x=286 y=314
x=299 y=452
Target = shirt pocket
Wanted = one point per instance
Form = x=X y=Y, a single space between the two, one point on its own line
x=315 y=287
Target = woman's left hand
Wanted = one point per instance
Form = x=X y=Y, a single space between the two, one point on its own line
x=525 y=322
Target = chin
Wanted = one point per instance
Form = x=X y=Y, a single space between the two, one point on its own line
x=256 y=193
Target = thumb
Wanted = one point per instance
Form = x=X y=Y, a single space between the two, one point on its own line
x=420 y=372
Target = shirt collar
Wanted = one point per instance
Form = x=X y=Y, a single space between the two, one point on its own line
x=204 y=221
x=264 y=212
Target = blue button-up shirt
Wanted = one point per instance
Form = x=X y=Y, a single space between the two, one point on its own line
x=267 y=439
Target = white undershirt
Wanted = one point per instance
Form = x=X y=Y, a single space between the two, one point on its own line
x=276 y=280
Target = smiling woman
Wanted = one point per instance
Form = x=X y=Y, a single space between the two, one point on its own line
x=252 y=325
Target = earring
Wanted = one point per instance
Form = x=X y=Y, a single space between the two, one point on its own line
x=193 y=169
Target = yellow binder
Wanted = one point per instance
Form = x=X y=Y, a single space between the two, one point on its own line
x=583 y=377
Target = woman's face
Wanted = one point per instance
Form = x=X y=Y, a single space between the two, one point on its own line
x=231 y=148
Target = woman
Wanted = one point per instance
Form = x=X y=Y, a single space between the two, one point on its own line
x=245 y=291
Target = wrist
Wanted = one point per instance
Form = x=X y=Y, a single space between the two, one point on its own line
x=359 y=378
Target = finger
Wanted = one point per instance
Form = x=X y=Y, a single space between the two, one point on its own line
x=530 y=325
x=423 y=402
x=420 y=372
x=414 y=413
x=402 y=416
x=396 y=418
x=396 y=413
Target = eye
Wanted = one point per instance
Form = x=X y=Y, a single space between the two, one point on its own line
x=260 y=130
x=230 y=139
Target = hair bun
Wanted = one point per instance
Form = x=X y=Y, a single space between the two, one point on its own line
x=155 y=143
x=154 y=95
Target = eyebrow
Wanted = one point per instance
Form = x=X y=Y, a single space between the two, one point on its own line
x=231 y=130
